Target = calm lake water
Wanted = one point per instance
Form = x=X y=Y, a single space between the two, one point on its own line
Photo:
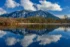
x=58 y=36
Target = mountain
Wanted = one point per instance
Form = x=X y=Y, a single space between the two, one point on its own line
x=41 y=13
x=16 y=14
x=25 y=14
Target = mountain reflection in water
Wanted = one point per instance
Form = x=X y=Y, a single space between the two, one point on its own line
x=35 y=36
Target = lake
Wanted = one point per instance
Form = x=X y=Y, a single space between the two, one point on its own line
x=35 y=36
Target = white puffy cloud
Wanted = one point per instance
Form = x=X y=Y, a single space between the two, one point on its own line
x=27 y=40
x=46 y=5
x=11 y=4
x=11 y=41
x=47 y=39
x=2 y=11
x=28 y=5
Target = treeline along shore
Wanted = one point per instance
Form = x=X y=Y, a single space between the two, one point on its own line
x=4 y=21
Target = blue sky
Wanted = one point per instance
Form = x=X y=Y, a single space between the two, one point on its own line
x=62 y=5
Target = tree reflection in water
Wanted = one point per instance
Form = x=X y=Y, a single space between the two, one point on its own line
x=31 y=29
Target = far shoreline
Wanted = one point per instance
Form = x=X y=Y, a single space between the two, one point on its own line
x=43 y=23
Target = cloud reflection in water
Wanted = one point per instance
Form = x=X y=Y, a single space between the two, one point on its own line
x=2 y=33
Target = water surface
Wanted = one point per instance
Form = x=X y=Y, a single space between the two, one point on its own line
x=35 y=36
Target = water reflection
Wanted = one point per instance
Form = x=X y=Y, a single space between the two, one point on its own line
x=32 y=29
x=2 y=33
x=28 y=36
x=11 y=41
